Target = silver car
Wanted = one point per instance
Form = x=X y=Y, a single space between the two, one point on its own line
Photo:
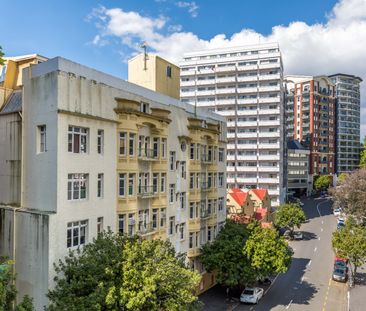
x=339 y=274
x=251 y=295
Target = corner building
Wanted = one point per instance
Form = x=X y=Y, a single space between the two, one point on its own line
x=244 y=84
x=348 y=122
x=310 y=115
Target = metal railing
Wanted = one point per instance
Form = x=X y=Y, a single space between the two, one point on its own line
x=147 y=228
x=147 y=191
x=148 y=154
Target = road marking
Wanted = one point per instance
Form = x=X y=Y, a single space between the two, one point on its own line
x=319 y=238
x=251 y=308
x=270 y=285
x=308 y=265
x=348 y=299
x=302 y=279
x=288 y=306
x=322 y=222
x=321 y=229
x=326 y=295
x=315 y=249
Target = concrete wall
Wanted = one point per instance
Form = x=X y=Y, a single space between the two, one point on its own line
x=10 y=158
x=31 y=251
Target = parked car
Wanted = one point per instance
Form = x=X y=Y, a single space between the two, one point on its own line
x=341 y=263
x=287 y=235
x=340 y=225
x=337 y=212
x=339 y=274
x=251 y=295
x=298 y=235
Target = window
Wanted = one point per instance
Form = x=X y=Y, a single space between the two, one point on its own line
x=183 y=169
x=169 y=71
x=191 y=181
x=100 y=141
x=76 y=233
x=172 y=160
x=162 y=182
x=209 y=233
x=78 y=137
x=221 y=180
x=122 y=143
x=221 y=204
x=131 y=184
x=163 y=148
x=181 y=231
x=100 y=185
x=221 y=154
x=171 y=225
x=131 y=224
x=191 y=210
x=171 y=193
x=121 y=224
x=99 y=224
x=182 y=200
x=191 y=153
x=162 y=217
x=144 y=107
x=131 y=144
x=155 y=218
x=77 y=186
x=42 y=138
x=198 y=152
x=122 y=185
x=191 y=240
x=155 y=182
x=156 y=147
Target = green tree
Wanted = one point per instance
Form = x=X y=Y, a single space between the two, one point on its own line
x=120 y=273
x=267 y=251
x=363 y=154
x=350 y=242
x=322 y=182
x=225 y=256
x=351 y=194
x=2 y=62
x=342 y=178
x=8 y=291
x=290 y=215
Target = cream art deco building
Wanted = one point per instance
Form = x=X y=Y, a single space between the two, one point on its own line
x=99 y=152
x=244 y=84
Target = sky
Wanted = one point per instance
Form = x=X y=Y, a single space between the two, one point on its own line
x=315 y=36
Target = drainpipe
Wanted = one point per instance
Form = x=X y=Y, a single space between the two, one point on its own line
x=15 y=209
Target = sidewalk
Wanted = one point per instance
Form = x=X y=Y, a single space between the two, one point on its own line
x=358 y=292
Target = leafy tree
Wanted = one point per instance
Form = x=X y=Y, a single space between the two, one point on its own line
x=8 y=291
x=341 y=178
x=363 y=154
x=2 y=62
x=322 y=182
x=225 y=256
x=290 y=215
x=351 y=194
x=350 y=242
x=267 y=251
x=119 y=273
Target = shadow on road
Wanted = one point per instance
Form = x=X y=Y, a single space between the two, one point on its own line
x=360 y=278
x=312 y=212
x=307 y=236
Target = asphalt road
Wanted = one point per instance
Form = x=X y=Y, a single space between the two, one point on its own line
x=307 y=285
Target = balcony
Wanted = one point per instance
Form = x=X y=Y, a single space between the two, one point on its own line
x=269 y=88
x=270 y=65
x=247 y=90
x=225 y=79
x=269 y=169
x=247 y=67
x=269 y=111
x=220 y=102
x=188 y=94
x=251 y=101
x=225 y=69
x=269 y=146
x=247 y=123
x=247 y=180
x=269 y=180
x=205 y=186
x=269 y=77
x=193 y=252
x=205 y=82
x=247 y=146
x=206 y=93
x=269 y=134
x=247 y=78
x=266 y=157
x=147 y=154
x=145 y=192
x=247 y=135
x=225 y=91
x=206 y=158
x=184 y=73
x=269 y=122
x=204 y=214
x=148 y=228
x=246 y=168
x=269 y=100
x=248 y=112
x=247 y=157
x=187 y=83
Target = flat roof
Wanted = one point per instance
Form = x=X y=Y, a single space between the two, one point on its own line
x=346 y=75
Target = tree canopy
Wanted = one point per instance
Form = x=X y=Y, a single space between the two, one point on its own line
x=350 y=242
x=8 y=291
x=120 y=273
x=341 y=178
x=1 y=56
x=351 y=194
x=289 y=215
x=242 y=254
x=363 y=154
x=267 y=251
x=322 y=182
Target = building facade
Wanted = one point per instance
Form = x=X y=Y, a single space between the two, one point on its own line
x=155 y=73
x=348 y=122
x=298 y=174
x=245 y=85
x=310 y=118
x=98 y=153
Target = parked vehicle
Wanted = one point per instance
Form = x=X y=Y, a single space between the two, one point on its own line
x=339 y=274
x=337 y=212
x=341 y=263
x=340 y=225
x=251 y=295
x=287 y=235
x=298 y=235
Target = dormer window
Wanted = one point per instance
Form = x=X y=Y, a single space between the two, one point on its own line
x=144 y=107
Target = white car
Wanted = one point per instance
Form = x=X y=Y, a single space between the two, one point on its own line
x=298 y=235
x=251 y=295
x=337 y=212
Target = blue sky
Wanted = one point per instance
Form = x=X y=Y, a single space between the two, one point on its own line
x=315 y=36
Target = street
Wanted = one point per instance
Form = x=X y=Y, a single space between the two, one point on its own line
x=307 y=285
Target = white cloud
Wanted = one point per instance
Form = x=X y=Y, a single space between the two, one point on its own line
x=191 y=6
x=338 y=45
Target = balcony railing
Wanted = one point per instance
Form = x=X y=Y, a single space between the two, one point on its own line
x=148 y=154
x=205 y=158
x=147 y=228
x=205 y=186
x=204 y=214
x=147 y=191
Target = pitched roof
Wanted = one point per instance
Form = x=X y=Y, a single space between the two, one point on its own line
x=260 y=193
x=238 y=195
x=13 y=104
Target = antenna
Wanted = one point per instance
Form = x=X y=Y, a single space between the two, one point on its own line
x=144 y=47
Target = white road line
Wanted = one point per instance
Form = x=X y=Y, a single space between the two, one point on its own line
x=288 y=306
x=315 y=249
x=308 y=264
x=321 y=229
x=302 y=279
x=274 y=280
x=348 y=299
x=319 y=238
x=322 y=222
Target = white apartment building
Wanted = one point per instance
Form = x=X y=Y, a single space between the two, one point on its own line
x=348 y=106
x=87 y=165
x=244 y=84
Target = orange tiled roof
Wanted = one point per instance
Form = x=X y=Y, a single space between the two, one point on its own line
x=238 y=195
x=260 y=193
